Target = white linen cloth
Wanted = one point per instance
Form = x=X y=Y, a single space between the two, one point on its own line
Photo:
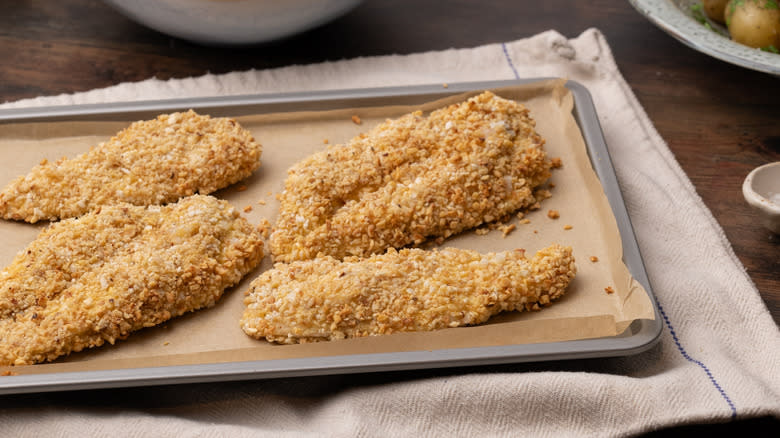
x=718 y=359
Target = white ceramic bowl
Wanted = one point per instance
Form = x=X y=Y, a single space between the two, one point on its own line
x=762 y=191
x=232 y=22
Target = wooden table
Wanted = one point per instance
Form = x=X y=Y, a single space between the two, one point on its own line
x=720 y=120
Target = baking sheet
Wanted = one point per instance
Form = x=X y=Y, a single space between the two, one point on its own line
x=209 y=344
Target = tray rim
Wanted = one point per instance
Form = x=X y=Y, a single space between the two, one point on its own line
x=644 y=333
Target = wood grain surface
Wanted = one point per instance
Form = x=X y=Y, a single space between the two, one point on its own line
x=719 y=120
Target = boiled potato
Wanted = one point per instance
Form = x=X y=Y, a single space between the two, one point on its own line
x=754 y=23
x=716 y=10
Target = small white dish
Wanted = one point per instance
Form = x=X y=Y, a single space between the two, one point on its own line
x=762 y=191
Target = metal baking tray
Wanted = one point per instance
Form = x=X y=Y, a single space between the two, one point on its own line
x=640 y=335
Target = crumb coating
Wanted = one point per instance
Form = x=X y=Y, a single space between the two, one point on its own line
x=400 y=291
x=95 y=279
x=410 y=179
x=151 y=162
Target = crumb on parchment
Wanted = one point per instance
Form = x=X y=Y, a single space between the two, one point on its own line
x=609 y=290
x=264 y=228
x=594 y=259
x=506 y=229
x=542 y=194
x=553 y=214
x=356 y=120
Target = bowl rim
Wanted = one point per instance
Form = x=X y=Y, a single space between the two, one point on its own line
x=769 y=211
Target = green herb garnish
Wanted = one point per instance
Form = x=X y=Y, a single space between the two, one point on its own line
x=771 y=49
x=732 y=7
x=697 y=11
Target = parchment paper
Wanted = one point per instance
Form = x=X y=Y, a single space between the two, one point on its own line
x=214 y=336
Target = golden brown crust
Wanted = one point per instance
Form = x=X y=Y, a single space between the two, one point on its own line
x=97 y=278
x=400 y=291
x=150 y=162
x=410 y=179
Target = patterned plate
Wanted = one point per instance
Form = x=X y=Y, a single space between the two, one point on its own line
x=675 y=17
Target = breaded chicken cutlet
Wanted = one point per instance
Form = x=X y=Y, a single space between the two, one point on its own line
x=97 y=278
x=400 y=291
x=151 y=162
x=412 y=178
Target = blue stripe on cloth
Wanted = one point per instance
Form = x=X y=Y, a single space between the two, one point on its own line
x=509 y=60
x=699 y=363
x=661 y=309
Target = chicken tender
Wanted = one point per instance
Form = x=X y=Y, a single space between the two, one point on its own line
x=151 y=162
x=95 y=279
x=400 y=291
x=410 y=179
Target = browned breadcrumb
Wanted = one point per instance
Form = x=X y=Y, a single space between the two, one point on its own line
x=556 y=162
x=166 y=343
x=278 y=196
x=481 y=231
x=264 y=228
x=542 y=194
x=553 y=214
x=445 y=85
x=594 y=259
x=520 y=214
x=609 y=290
x=506 y=229
x=96 y=279
x=536 y=231
x=241 y=188
x=400 y=291
x=535 y=206
x=567 y=227
x=261 y=202
x=7 y=373
x=149 y=163
x=356 y=120
x=411 y=179
x=247 y=208
x=551 y=185
x=525 y=221
x=326 y=141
